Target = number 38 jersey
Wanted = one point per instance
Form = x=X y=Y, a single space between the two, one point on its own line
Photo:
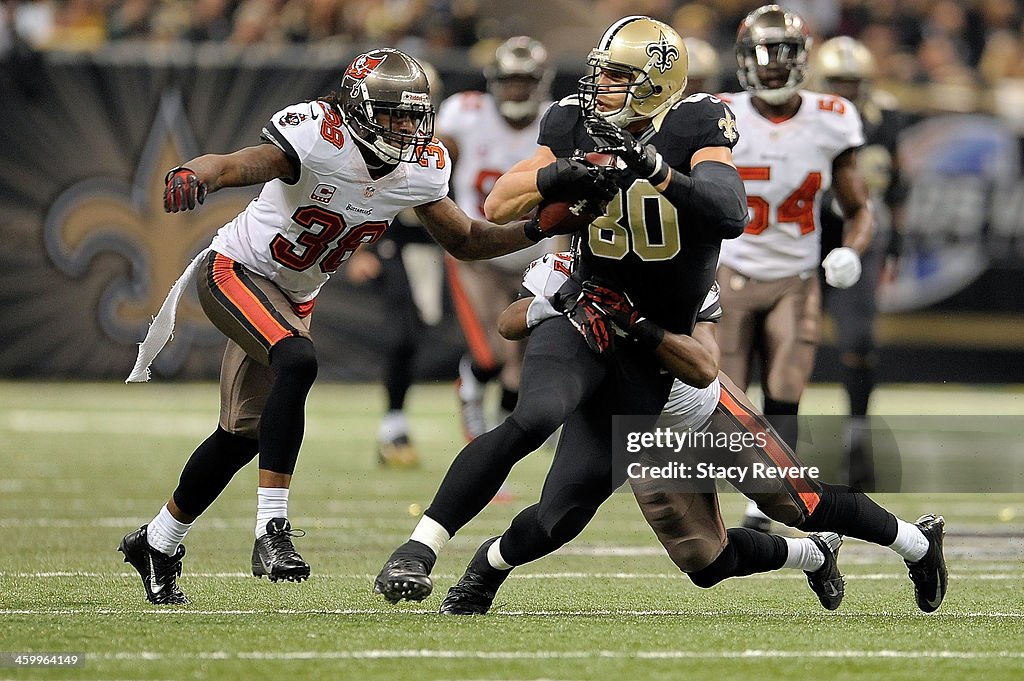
x=298 y=234
x=786 y=167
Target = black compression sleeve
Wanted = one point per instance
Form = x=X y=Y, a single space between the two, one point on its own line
x=714 y=195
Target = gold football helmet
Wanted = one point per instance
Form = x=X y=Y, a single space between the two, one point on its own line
x=845 y=66
x=769 y=38
x=704 y=66
x=652 y=56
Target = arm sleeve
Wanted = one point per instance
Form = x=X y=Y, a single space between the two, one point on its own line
x=713 y=196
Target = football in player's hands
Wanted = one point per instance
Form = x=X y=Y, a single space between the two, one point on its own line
x=567 y=216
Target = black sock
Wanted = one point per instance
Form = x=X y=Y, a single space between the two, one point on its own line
x=398 y=376
x=283 y=421
x=509 y=399
x=492 y=576
x=414 y=549
x=782 y=416
x=859 y=382
x=747 y=552
x=484 y=374
x=850 y=512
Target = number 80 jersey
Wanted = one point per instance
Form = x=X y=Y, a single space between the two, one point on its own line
x=297 y=234
x=786 y=166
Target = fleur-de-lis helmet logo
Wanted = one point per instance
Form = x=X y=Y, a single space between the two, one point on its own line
x=662 y=53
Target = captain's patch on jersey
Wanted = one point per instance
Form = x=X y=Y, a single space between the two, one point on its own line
x=323 y=193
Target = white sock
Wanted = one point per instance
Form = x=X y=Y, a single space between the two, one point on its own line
x=494 y=558
x=164 y=533
x=754 y=512
x=271 y=502
x=392 y=426
x=430 y=533
x=910 y=541
x=803 y=555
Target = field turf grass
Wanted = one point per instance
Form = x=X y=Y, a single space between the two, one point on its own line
x=82 y=464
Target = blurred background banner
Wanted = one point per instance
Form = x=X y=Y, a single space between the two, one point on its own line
x=85 y=141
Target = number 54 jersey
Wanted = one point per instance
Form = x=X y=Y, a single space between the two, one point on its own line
x=297 y=234
x=786 y=166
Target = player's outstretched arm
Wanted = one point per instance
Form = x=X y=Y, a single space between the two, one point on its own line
x=252 y=165
x=515 y=193
x=188 y=184
x=469 y=239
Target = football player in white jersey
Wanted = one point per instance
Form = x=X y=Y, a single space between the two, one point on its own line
x=686 y=519
x=486 y=133
x=794 y=146
x=336 y=171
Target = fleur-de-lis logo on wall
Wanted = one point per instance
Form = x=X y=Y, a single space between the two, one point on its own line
x=103 y=216
x=663 y=53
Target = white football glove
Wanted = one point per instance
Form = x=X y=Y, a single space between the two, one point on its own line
x=540 y=308
x=842 y=267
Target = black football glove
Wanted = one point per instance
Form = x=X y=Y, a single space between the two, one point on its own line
x=575 y=178
x=642 y=159
x=183 y=190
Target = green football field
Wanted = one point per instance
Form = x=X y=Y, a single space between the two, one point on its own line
x=85 y=463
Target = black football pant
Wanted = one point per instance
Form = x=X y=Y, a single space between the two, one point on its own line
x=559 y=372
x=562 y=382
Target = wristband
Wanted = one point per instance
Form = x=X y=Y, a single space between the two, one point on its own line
x=647 y=334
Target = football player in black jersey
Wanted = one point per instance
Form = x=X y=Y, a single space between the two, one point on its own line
x=846 y=68
x=679 y=196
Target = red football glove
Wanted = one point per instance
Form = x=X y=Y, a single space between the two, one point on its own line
x=591 y=323
x=183 y=190
x=614 y=305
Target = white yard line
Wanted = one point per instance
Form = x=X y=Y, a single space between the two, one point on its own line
x=572 y=655
x=497 y=612
x=788 y=574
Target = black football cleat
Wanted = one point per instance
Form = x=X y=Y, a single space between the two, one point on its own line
x=403 y=578
x=159 y=571
x=827 y=582
x=929 y=573
x=475 y=591
x=275 y=556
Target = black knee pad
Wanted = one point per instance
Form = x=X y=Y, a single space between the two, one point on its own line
x=296 y=357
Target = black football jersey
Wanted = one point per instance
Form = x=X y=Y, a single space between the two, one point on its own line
x=877 y=162
x=645 y=246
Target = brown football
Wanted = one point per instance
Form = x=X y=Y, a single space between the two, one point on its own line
x=599 y=159
x=560 y=216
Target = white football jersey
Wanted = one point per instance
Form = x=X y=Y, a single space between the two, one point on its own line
x=786 y=166
x=298 y=234
x=687 y=407
x=487 y=146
